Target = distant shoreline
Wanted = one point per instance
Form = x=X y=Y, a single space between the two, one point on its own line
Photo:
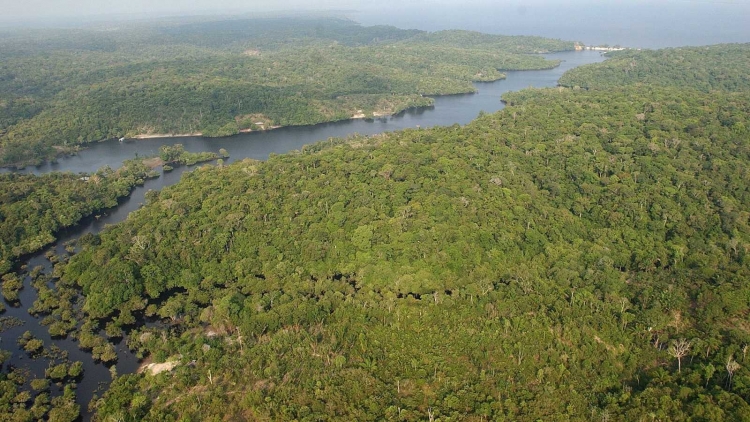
x=581 y=47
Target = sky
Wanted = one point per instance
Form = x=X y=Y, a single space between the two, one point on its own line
x=30 y=9
x=634 y=23
x=27 y=9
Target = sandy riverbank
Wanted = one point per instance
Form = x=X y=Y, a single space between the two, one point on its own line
x=259 y=130
x=153 y=162
x=374 y=115
x=166 y=135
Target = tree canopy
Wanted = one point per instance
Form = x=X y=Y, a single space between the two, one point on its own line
x=545 y=262
x=716 y=67
x=34 y=208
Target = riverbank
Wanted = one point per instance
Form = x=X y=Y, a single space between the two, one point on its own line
x=375 y=114
x=360 y=114
x=164 y=135
x=259 y=130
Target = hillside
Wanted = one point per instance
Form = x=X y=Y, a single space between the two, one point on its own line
x=717 y=67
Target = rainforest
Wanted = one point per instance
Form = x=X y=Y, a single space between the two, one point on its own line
x=582 y=254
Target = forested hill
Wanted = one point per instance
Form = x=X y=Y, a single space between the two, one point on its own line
x=60 y=89
x=708 y=68
x=583 y=254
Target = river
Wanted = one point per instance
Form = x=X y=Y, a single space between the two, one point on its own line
x=447 y=110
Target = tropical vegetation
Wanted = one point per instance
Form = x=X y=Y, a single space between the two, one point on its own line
x=581 y=254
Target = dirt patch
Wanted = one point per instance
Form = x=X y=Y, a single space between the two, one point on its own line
x=153 y=162
x=157 y=368
x=166 y=135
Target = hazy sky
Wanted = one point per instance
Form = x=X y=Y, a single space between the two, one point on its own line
x=67 y=8
x=27 y=9
x=46 y=9
x=636 y=23
x=30 y=9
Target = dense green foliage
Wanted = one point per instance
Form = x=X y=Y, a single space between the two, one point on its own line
x=33 y=208
x=579 y=255
x=65 y=88
x=22 y=405
x=177 y=154
x=477 y=40
x=716 y=67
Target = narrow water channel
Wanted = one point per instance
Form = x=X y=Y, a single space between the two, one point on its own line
x=447 y=110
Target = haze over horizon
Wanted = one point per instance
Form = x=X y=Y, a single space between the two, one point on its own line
x=648 y=24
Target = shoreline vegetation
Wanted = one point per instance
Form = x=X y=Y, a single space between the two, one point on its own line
x=360 y=114
x=197 y=77
x=656 y=67
x=37 y=207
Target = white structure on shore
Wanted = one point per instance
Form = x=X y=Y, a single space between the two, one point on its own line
x=580 y=47
x=605 y=48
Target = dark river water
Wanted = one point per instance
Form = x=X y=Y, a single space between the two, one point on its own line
x=447 y=110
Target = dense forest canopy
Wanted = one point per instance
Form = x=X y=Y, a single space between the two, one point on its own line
x=33 y=208
x=581 y=254
x=708 y=68
x=65 y=88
